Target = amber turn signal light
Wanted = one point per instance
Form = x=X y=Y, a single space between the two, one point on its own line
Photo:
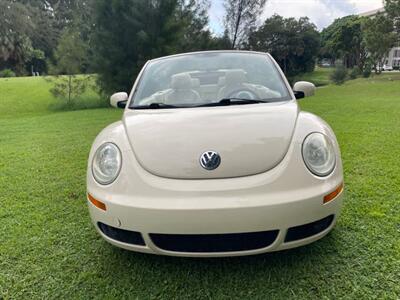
x=334 y=194
x=96 y=202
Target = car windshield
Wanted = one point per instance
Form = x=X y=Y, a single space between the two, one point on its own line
x=201 y=79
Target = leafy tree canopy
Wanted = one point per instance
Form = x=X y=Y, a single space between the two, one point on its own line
x=31 y=29
x=16 y=27
x=379 y=38
x=71 y=54
x=240 y=19
x=293 y=43
x=130 y=32
x=392 y=8
x=344 y=39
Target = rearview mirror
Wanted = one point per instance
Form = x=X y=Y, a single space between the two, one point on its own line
x=303 y=89
x=119 y=100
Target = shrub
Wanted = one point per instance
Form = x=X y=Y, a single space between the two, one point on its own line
x=7 y=73
x=367 y=72
x=68 y=89
x=75 y=92
x=355 y=72
x=339 y=75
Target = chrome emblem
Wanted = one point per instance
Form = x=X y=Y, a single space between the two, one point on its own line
x=210 y=160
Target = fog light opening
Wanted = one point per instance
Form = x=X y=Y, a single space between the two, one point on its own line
x=331 y=196
x=96 y=202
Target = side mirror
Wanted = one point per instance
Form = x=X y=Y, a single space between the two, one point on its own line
x=119 y=100
x=304 y=89
x=299 y=95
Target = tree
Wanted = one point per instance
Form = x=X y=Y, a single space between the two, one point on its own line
x=62 y=12
x=130 y=32
x=222 y=42
x=293 y=43
x=70 y=59
x=15 y=28
x=392 y=8
x=193 y=15
x=46 y=21
x=44 y=34
x=241 y=18
x=379 y=39
x=344 y=39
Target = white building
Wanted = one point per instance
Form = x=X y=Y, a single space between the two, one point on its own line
x=393 y=59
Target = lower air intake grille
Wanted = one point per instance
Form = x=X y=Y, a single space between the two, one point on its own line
x=121 y=235
x=307 y=230
x=209 y=243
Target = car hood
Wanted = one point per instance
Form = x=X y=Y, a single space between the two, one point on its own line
x=250 y=139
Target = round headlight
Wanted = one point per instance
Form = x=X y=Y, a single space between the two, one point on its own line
x=106 y=163
x=319 y=154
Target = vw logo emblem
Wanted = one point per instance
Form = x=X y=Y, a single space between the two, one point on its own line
x=210 y=160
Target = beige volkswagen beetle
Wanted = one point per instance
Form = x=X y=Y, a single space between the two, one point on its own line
x=213 y=157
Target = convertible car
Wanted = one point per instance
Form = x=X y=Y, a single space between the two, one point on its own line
x=213 y=157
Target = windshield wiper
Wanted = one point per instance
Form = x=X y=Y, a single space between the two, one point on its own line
x=222 y=102
x=156 y=105
x=232 y=101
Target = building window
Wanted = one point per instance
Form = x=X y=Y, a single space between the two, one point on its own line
x=397 y=53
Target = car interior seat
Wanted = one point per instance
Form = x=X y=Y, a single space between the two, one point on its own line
x=182 y=91
x=195 y=83
x=234 y=80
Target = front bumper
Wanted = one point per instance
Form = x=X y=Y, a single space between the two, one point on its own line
x=161 y=228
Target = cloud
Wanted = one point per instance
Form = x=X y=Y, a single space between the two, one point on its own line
x=216 y=14
x=320 y=12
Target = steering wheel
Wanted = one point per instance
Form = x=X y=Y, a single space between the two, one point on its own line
x=243 y=93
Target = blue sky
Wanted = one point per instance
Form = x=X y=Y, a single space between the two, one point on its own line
x=321 y=12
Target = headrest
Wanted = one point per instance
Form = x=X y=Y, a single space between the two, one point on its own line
x=221 y=81
x=181 y=82
x=195 y=82
x=236 y=77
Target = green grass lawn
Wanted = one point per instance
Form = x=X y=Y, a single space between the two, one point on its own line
x=320 y=77
x=49 y=249
x=30 y=96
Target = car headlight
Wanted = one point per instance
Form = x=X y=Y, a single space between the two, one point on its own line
x=319 y=154
x=106 y=163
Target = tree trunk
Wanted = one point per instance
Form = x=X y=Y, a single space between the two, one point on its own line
x=238 y=19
